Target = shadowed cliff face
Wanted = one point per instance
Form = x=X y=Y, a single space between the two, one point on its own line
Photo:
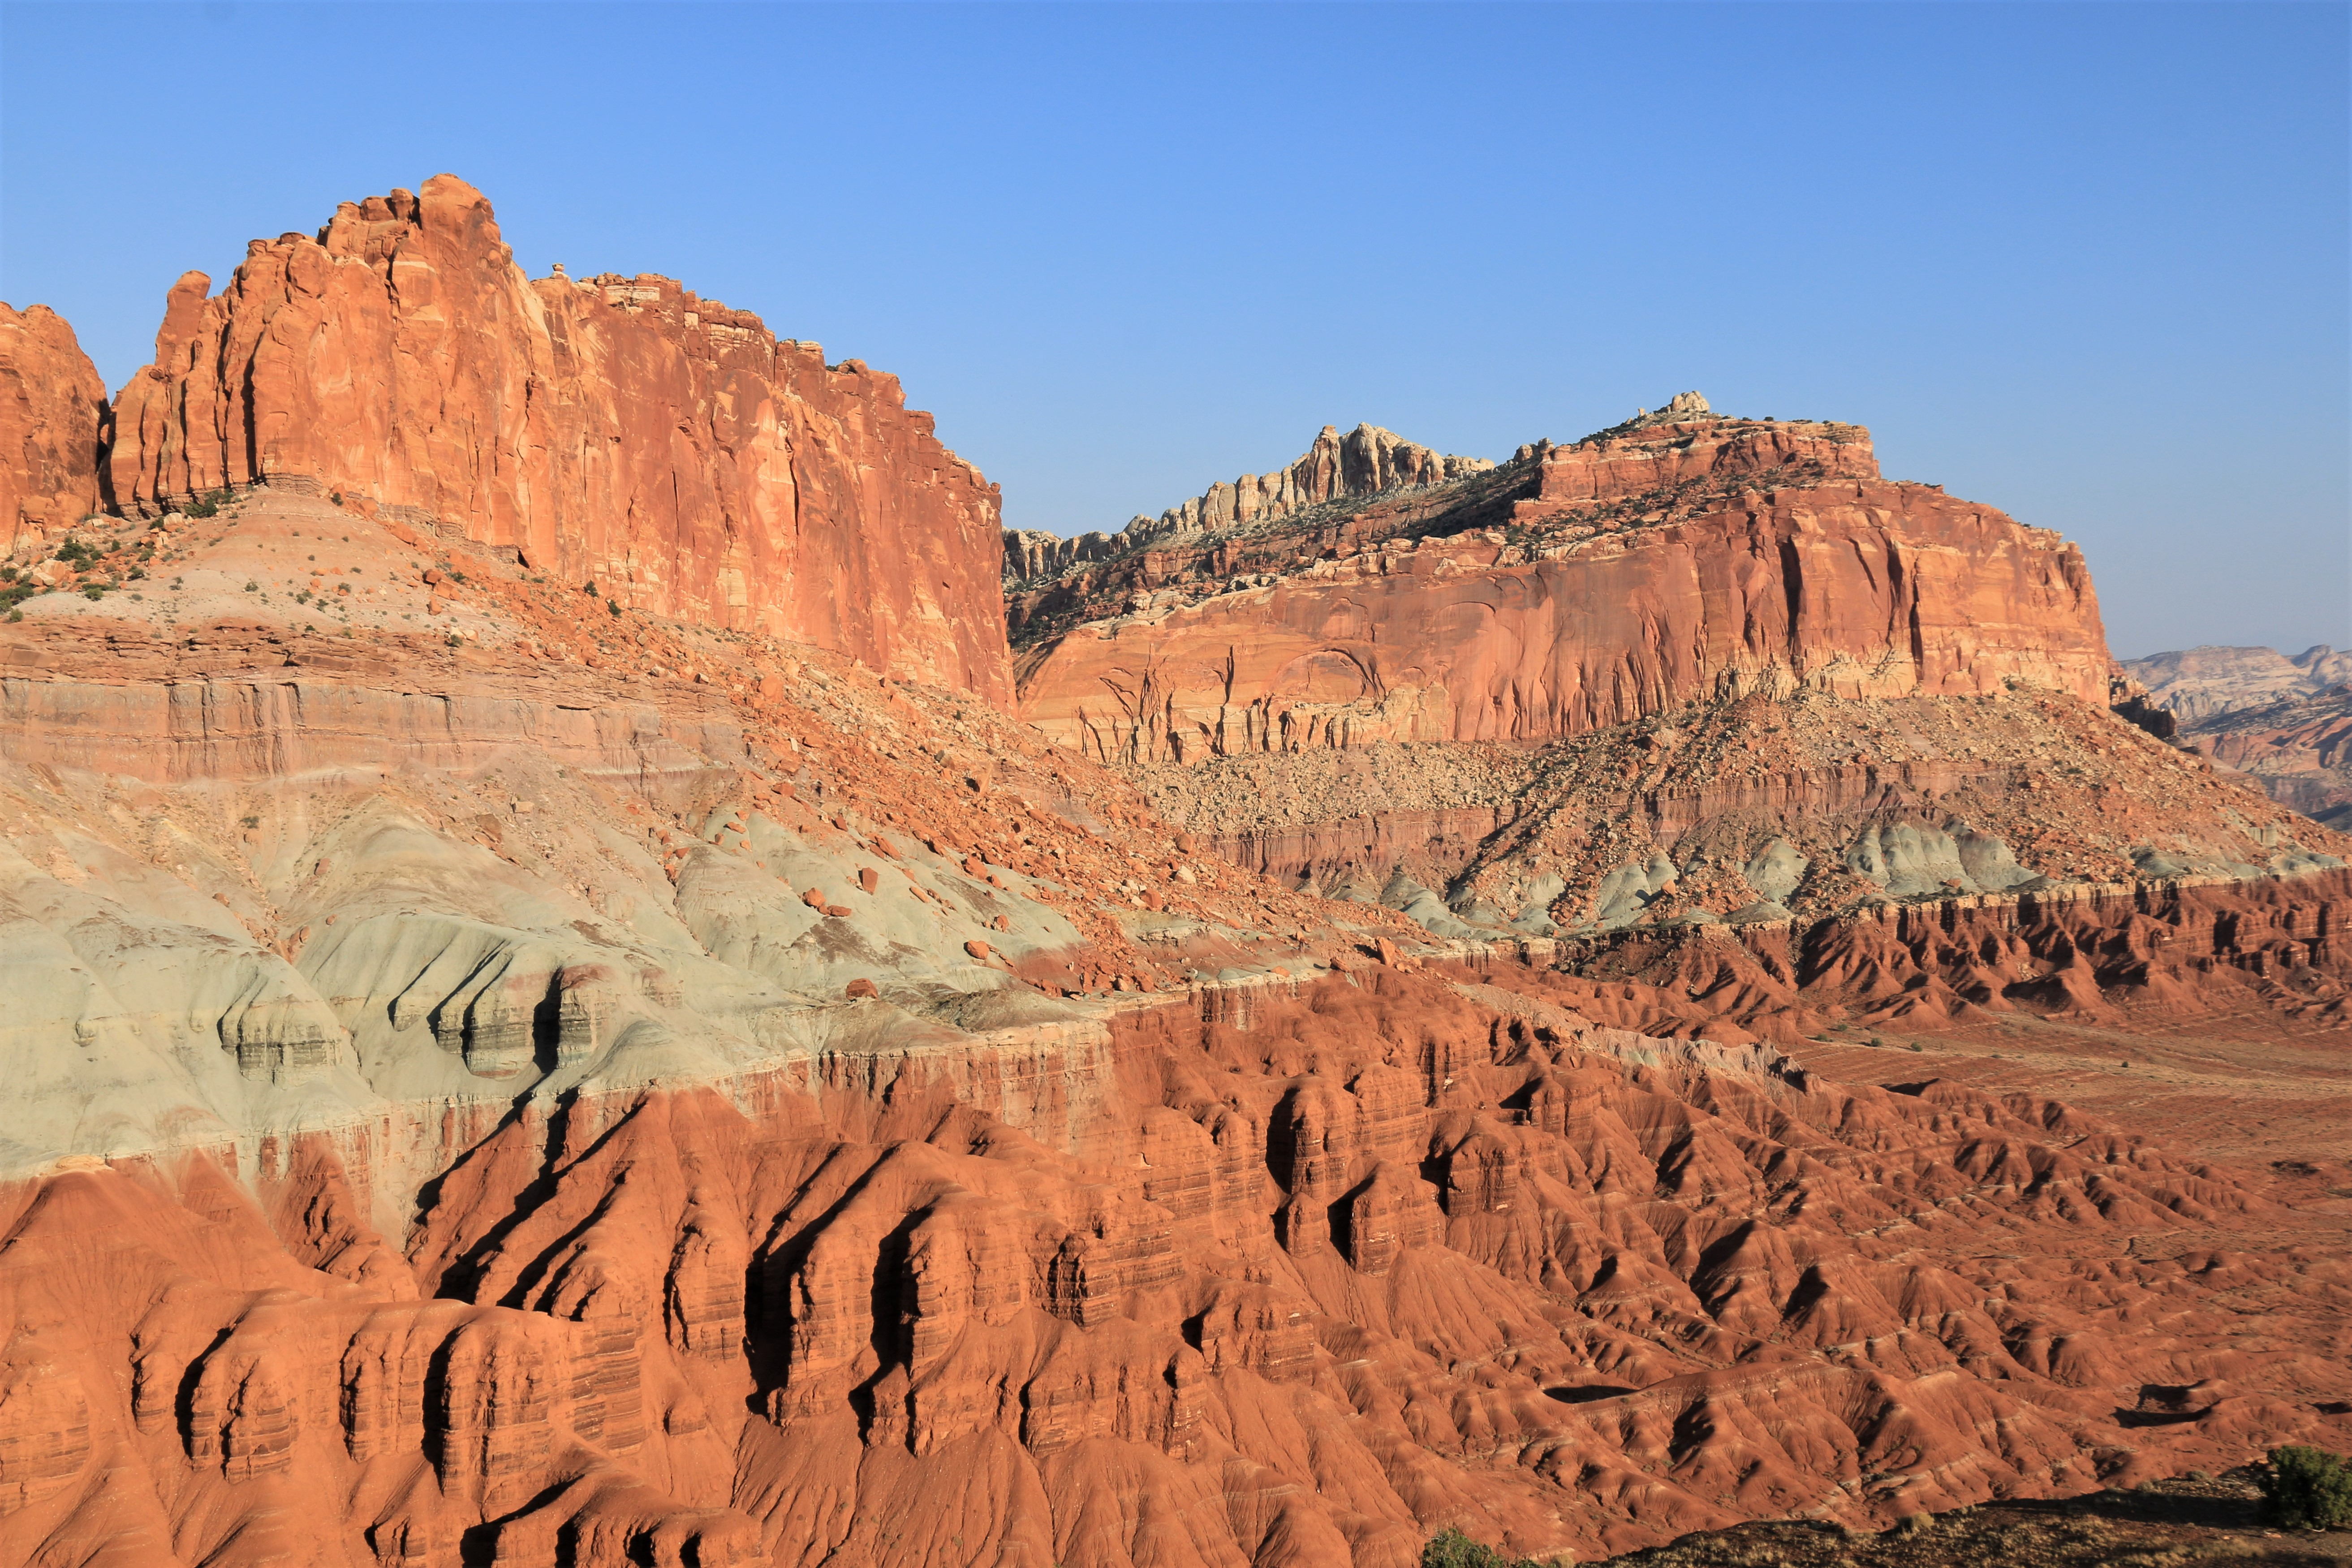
x=619 y=430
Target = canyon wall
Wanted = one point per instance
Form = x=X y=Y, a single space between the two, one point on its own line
x=618 y=430
x=53 y=423
x=1585 y=586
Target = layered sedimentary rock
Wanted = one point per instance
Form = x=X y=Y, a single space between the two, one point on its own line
x=2202 y=683
x=2282 y=721
x=1294 y=1287
x=1366 y=461
x=502 y=1075
x=618 y=430
x=1690 y=673
x=53 y=424
x=1760 y=808
x=1578 y=587
x=2298 y=750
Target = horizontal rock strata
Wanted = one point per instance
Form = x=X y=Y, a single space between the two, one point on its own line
x=1581 y=588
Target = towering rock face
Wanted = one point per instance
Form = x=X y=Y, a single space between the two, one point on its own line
x=52 y=424
x=1366 y=461
x=1692 y=670
x=1576 y=588
x=620 y=430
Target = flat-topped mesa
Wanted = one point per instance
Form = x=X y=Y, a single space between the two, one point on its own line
x=1686 y=444
x=1366 y=461
x=53 y=420
x=1674 y=556
x=618 y=430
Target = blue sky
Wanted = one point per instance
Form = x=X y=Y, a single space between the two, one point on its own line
x=2088 y=264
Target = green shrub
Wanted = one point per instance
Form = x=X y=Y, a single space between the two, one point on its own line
x=2309 y=1488
x=1452 y=1549
x=208 y=506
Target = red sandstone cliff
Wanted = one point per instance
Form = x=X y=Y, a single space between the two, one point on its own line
x=1577 y=588
x=623 y=430
x=52 y=422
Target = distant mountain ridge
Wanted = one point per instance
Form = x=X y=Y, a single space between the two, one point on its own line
x=2285 y=719
x=2205 y=682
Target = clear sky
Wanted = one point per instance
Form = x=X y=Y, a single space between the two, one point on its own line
x=2087 y=263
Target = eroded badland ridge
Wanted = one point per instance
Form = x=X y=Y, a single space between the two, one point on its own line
x=558 y=1015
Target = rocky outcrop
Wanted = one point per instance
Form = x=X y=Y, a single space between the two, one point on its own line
x=1761 y=808
x=1031 y=555
x=1366 y=461
x=1581 y=588
x=492 y=1083
x=53 y=426
x=2202 y=683
x=615 y=430
x=2283 y=721
x=2298 y=750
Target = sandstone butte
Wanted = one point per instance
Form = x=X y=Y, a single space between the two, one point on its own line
x=1532 y=602
x=55 y=426
x=618 y=430
x=491 y=1083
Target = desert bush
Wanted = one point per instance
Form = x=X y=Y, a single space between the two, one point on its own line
x=1452 y=1549
x=2309 y=1488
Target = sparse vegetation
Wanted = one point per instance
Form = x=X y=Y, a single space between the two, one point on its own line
x=2309 y=1488
x=1452 y=1549
x=208 y=506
